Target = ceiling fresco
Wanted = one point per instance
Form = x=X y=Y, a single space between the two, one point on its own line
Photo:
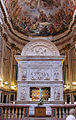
x=40 y=17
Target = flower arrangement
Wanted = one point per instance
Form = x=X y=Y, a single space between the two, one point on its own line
x=41 y=102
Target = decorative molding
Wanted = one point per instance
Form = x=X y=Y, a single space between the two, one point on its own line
x=4 y=36
x=40 y=48
x=1 y=17
x=40 y=74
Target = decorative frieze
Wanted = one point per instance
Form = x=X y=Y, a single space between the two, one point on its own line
x=38 y=71
x=40 y=74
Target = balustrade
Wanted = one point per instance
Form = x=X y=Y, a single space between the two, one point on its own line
x=61 y=111
x=13 y=111
x=21 y=112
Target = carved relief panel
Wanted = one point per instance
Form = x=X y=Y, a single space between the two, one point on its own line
x=57 y=71
x=56 y=74
x=40 y=74
x=56 y=93
x=22 y=73
x=39 y=51
x=40 y=48
x=40 y=71
x=23 y=94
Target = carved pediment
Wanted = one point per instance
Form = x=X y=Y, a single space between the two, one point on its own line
x=40 y=48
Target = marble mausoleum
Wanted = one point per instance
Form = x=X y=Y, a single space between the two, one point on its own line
x=40 y=73
x=34 y=37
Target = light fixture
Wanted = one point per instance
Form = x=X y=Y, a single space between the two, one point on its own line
x=1 y=84
x=65 y=102
x=73 y=83
x=74 y=102
x=5 y=83
x=65 y=86
x=0 y=79
x=13 y=102
x=13 y=87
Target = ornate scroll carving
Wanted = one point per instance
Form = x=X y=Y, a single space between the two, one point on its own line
x=40 y=48
x=39 y=74
x=56 y=93
x=56 y=74
x=23 y=94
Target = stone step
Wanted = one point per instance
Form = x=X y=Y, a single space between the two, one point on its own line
x=43 y=118
x=34 y=118
x=40 y=118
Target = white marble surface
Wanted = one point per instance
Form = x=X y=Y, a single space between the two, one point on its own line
x=48 y=110
x=32 y=110
x=40 y=72
x=40 y=48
